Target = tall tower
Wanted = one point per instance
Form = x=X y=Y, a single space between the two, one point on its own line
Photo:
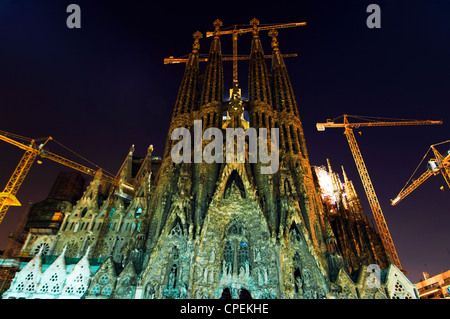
x=228 y=229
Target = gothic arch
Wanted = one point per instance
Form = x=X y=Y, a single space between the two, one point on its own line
x=172 y=282
x=236 y=180
x=236 y=252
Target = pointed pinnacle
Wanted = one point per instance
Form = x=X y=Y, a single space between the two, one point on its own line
x=344 y=174
x=255 y=23
x=274 y=33
x=329 y=166
x=217 y=24
x=196 y=46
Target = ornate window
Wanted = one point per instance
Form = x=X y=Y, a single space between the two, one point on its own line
x=236 y=249
x=228 y=255
x=72 y=249
x=235 y=229
x=400 y=292
x=298 y=280
x=55 y=289
x=104 y=279
x=81 y=289
x=176 y=231
x=173 y=273
x=107 y=290
x=69 y=290
x=79 y=278
x=54 y=277
x=95 y=290
x=138 y=212
x=172 y=282
x=243 y=254
x=45 y=248
x=20 y=286
x=44 y=288
x=30 y=287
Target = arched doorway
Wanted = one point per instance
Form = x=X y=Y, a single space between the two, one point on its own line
x=244 y=294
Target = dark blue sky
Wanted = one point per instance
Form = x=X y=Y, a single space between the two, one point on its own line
x=104 y=87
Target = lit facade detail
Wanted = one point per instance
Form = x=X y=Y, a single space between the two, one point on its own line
x=220 y=230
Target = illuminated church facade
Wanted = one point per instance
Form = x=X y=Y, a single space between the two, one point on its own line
x=216 y=230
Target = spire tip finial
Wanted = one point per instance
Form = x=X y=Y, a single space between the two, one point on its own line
x=255 y=22
x=196 y=46
x=274 y=33
x=217 y=24
x=197 y=35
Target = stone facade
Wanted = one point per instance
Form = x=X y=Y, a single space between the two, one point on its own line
x=219 y=230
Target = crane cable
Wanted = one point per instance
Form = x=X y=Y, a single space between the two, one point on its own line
x=416 y=169
x=421 y=162
x=27 y=139
x=85 y=159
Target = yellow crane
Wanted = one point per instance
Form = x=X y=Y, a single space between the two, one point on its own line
x=172 y=60
x=364 y=174
x=235 y=32
x=439 y=164
x=32 y=151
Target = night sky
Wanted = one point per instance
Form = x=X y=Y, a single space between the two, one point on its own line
x=104 y=87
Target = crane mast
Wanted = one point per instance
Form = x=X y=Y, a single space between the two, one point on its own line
x=372 y=198
x=375 y=206
x=8 y=196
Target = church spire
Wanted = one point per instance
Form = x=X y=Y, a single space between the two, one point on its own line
x=284 y=98
x=291 y=131
x=259 y=85
x=187 y=93
x=188 y=88
x=212 y=90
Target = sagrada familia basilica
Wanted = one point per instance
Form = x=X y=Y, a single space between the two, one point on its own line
x=212 y=230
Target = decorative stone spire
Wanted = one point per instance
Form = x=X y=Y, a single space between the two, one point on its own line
x=330 y=170
x=213 y=78
x=188 y=88
x=274 y=33
x=187 y=93
x=196 y=46
x=344 y=174
x=285 y=100
x=255 y=22
x=217 y=24
x=259 y=84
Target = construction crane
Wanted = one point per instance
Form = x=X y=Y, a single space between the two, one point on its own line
x=235 y=32
x=32 y=151
x=439 y=164
x=364 y=174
